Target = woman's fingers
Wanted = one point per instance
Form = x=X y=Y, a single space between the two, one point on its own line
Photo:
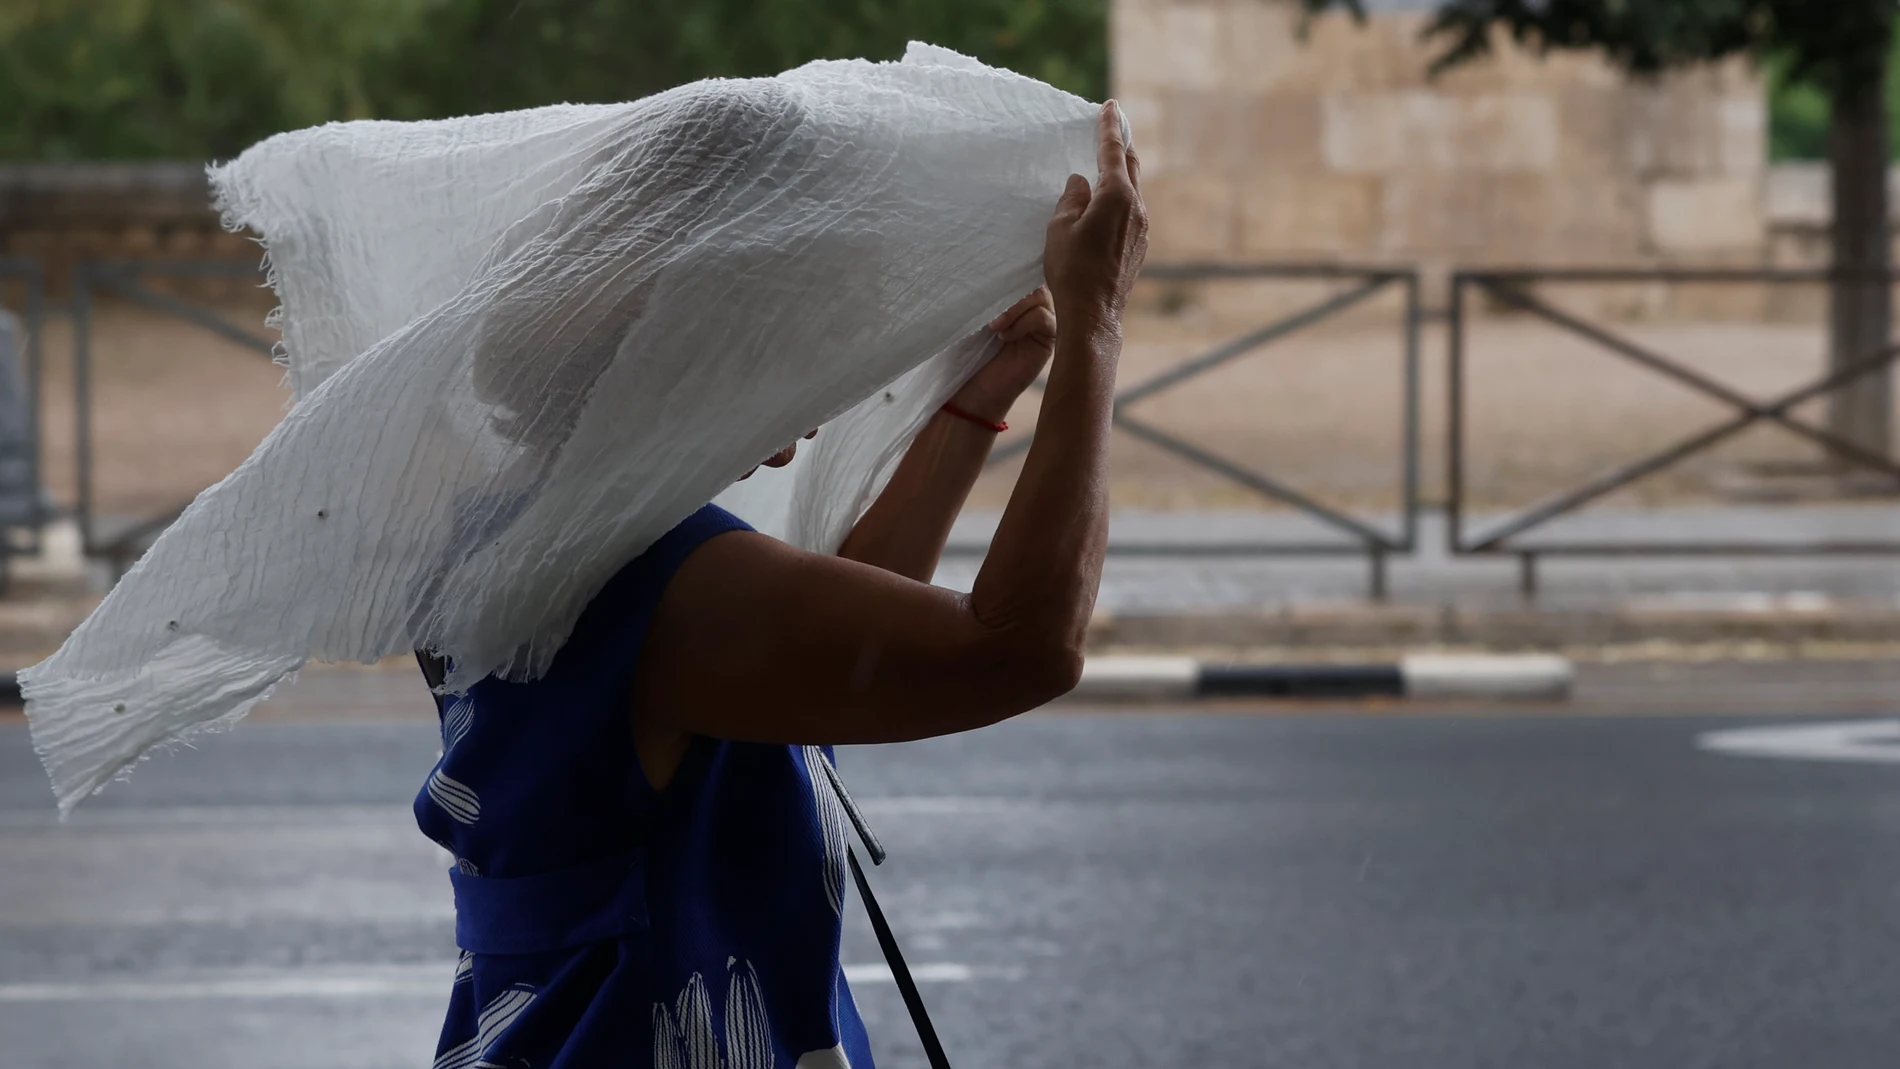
x=1073 y=202
x=778 y=459
x=1111 y=151
x=1037 y=322
x=1003 y=324
x=1092 y=258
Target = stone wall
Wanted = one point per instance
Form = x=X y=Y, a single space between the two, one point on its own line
x=1258 y=145
x=58 y=214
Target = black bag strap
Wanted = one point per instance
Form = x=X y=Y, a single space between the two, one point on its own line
x=434 y=670
x=906 y=985
x=886 y=939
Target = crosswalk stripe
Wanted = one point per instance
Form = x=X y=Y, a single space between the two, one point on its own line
x=432 y=981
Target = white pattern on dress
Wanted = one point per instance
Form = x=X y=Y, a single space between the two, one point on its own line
x=748 y=1032
x=830 y=823
x=456 y=720
x=490 y=1025
x=684 y=1038
x=456 y=799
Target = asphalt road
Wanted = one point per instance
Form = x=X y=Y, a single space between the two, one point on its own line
x=1117 y=889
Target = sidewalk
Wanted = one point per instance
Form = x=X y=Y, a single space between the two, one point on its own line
x=394 y=691
x=1310 y=603
x=1437 y=599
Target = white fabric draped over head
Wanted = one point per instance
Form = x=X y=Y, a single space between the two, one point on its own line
x=523 y=346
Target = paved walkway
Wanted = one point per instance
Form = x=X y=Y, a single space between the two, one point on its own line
x=1431 y=576
x=1433 y=598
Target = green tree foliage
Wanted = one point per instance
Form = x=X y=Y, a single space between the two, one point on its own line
x=1798 y=112
x=1797 y=117
x=484 y=55
x=185 y=78
x=204 y=78
x=1824 y=43
x=1810 y=48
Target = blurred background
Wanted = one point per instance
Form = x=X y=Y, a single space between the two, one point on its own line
x=1297 y=154
x=1471 y=329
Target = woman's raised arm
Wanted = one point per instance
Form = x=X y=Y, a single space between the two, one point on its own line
x=905 y=529
x=755 y=640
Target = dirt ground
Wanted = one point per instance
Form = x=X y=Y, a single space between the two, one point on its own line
x=1322 y=409
x=177 y=408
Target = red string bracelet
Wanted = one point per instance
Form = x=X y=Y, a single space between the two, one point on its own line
x=996 y=425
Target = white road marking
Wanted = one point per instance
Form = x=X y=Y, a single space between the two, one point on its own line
x=930 y=972
x=197 y=816
x=433 y=981
x=1850 y=740
x=194 y=816
x=944 y=805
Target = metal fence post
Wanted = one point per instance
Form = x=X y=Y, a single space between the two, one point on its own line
x=35 y=396
x=82 y=403
x=1414 y=325
x=1455 y=416
x=22 y=447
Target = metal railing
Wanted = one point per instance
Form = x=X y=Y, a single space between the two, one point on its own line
x=121 y=541
x=1363 y=537
x=23 y=527
x=1511 y=288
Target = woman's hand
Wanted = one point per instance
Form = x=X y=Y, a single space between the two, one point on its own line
x=757 y=641
x=1099 y=236
x=1028 y=331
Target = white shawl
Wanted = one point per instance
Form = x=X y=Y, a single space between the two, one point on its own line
x=523 y=346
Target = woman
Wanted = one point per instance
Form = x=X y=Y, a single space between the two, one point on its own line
x=647 y=855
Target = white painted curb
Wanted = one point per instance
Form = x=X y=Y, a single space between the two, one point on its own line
x=1138 y=677
x=1438 y=675
x=1442 y=676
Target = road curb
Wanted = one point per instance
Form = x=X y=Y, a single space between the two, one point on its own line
x=1543 y=677
x=1727 y=618
x=1425 y=675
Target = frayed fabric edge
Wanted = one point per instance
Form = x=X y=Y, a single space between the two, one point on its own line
x=237 y=211
x=54 y=705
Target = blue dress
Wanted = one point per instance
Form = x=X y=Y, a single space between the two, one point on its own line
x=603 y=923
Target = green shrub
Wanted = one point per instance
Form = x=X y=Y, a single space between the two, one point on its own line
x=205 y=78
